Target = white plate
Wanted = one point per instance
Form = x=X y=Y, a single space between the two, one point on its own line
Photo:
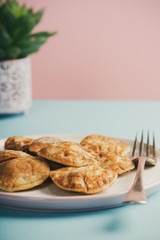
x=48 y=197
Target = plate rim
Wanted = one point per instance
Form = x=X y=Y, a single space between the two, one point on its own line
x=69 y=198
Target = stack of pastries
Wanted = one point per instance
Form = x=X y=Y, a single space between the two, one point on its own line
x=87 y=167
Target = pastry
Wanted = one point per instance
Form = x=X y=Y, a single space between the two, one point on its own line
x=102 y=144
x=18 y=143
x=23 y=173
x=89 y=179
x=11 y=154
x=42 y=142
x=116 y=162
x=69 y=153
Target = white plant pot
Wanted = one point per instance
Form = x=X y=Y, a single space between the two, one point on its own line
x=15 y=86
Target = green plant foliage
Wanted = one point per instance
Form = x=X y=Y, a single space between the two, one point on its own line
x=16 y=25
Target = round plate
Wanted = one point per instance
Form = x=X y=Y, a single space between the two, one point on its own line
x=48 y=197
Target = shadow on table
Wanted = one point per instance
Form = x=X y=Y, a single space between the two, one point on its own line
x=7 y=116
x=5 y=212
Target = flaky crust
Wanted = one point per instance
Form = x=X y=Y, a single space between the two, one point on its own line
x=102 y=144
x=10 y=154
x=89 y=179
x=21 y=173
x=42 y=142
x=118 y=163
x=69 y=154
x=18 y=143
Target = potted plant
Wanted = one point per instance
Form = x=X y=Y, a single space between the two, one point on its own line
x=17 y=42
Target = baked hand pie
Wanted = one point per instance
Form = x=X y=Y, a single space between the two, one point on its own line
x=116 y=162
x=10 y=154
x=18 y=143
x=23 y=173
x=89 y=179
x=42 y=142
x=69 y=153
x=101 y=144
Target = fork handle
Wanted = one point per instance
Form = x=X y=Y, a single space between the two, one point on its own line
x=136 y=193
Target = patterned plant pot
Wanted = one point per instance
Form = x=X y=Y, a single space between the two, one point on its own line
x=15 y=86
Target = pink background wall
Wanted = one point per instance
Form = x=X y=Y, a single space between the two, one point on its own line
x=104 y=49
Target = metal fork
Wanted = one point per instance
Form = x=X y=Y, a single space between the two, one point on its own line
x=147 y=155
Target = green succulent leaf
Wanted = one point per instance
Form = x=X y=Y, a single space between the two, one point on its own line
x=16 y=9
x=7 y=18
x=30 y=11
x=13 y=52
x=42 y=34
x=5 y=39
x=39 y=41
x=25 y=51
x=2 y=54
x=30 y=46
x=23 y=10
x=24 y=26
x=37 y=16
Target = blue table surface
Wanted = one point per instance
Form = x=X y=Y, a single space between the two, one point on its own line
x=113 y=118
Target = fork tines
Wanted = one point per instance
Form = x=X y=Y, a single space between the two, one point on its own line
x=145 y=149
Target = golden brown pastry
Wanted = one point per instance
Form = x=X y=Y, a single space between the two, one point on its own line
x=23 y=173
x=42 y=142
x=69 y=154
x=10 y=154
x=89 y=179
x=18 y=143
x=118 y=163
x=102 y=144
